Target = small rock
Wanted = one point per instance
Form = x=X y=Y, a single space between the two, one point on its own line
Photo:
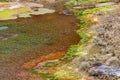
x=84 y=66
x=113 y=61
x=1 y=37
x=105 y=4
x=31 y=5
x=15 y=6
x=78 y=8
x=4 y=39
x=15 y=35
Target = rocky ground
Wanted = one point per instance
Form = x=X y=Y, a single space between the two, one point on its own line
x=108 y=31
x=52 y=4
x=106 y=49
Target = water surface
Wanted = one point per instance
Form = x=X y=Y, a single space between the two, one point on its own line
x=30 y=38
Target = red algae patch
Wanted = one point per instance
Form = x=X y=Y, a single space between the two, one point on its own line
x=51 y=56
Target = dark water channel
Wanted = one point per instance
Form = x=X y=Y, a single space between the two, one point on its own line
x=30 y=38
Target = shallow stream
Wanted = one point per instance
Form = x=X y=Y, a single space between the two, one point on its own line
x=30 y=38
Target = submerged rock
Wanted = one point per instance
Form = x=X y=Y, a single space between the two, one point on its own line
x=66 y=12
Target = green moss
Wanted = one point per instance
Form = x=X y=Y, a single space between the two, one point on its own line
x=50 y=65
x=85 y=24
x=5 y=14
x=6 y=0
x=83 y=13
x=70 y=54
x=22 y=12
x=44 y=75
x=78 y=2
x=92 y=0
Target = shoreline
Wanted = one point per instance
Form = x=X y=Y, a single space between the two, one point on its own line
x=86 y=51
x=82 y=51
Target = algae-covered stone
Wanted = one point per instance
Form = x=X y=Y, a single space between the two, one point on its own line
x=24 y=15
x=22 y=12
x=42 y=11
x=31 y=4
x=12 y=17
x=12 y=14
